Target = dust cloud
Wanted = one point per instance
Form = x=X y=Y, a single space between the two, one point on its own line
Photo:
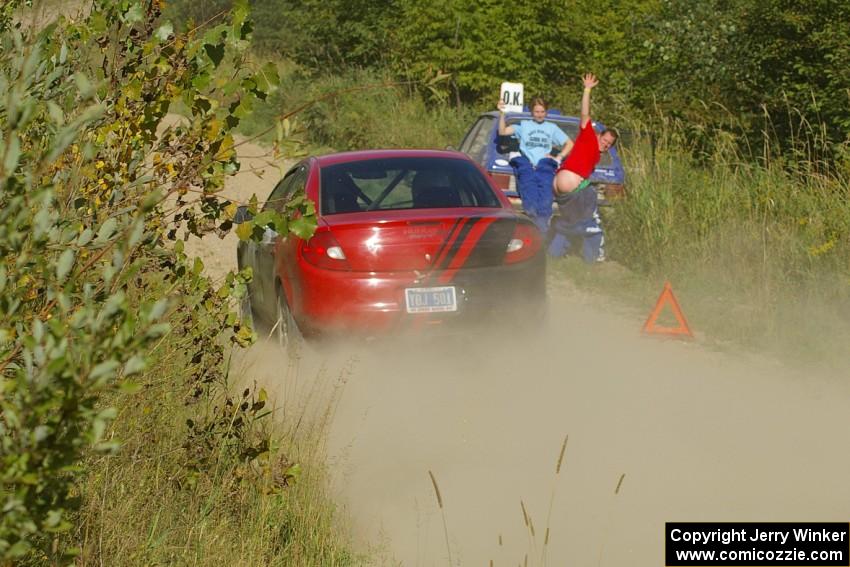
x=700 y=435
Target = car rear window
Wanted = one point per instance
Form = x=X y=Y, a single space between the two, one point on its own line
x=571 y=130
x=403 y=183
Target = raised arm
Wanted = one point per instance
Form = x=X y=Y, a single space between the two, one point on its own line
x=590 y=81
x=504 y=129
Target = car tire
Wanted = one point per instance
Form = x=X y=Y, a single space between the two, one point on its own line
x=285 y=331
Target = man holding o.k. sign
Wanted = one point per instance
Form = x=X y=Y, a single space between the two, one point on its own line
x=534 y=167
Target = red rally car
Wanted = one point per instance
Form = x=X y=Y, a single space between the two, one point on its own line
x=406 y=239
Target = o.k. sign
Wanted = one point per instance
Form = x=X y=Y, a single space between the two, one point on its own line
x=511 y=95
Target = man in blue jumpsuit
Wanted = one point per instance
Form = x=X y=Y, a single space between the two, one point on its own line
x=534 y=167
x=578 y=224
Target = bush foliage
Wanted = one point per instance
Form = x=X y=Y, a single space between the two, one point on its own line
x=94 y=184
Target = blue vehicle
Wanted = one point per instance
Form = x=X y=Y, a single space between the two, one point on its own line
x=484 y=145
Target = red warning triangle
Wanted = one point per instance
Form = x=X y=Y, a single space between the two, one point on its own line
x=666 y=298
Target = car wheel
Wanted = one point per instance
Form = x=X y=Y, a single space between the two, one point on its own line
x=285 y=330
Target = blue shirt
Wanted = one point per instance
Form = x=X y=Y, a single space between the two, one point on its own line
x=536 y=139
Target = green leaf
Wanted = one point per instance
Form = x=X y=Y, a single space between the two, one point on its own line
x=264 y=218
x=302 y=227
x=98 y=426
x=107 y=229
x=158 y=309
x=129 y=387
x=215 y=52
x=85 y=237
x=19 y=549
x=64 y=265
x=54 y=517
x=135 y=365
x=238 y=15
x=98 y=22
x=13 y=153
x=244 y=230
x=267 y=78
x=83 y=84
x=134 y=14
x=164 y=31
x=245 y=108
x=104 y=370
x=156 y=331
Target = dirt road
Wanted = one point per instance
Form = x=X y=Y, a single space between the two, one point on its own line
x=699 y=435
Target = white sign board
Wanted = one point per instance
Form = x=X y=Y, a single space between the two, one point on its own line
x=512 y=96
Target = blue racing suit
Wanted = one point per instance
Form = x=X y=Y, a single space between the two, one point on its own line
x=578 y=223
x=535 y=188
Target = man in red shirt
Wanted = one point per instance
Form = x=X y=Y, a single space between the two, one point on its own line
x=582 y=159
x=578 y=221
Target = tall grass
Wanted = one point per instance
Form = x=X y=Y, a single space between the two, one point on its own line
x=760 y=244
x=167 y=498
x=359 y=109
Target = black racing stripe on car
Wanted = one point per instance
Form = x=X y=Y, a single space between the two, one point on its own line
x=448 y=239
x=467 y=247
x=458 y=243
x=491 y=247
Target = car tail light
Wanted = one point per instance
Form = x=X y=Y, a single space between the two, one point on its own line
x=323 y=251
x=524 y=243
x=503 y=181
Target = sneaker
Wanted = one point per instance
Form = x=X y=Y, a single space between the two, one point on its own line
x=513 y=155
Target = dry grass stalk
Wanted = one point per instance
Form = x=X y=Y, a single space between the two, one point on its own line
x=619 y=483
x=443 y=513
x=552 y=498
x=561 y=456
x=610 y=515
x=436 y=489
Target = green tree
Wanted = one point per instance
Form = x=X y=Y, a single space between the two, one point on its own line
x=800 y=53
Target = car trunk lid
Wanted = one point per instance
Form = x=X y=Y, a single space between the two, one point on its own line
x=438 y=240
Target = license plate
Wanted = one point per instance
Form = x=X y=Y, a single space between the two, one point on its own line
x=430 y=299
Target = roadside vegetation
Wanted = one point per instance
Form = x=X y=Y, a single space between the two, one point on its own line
x=124 y=439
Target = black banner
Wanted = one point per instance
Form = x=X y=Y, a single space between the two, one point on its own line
x=743 y=544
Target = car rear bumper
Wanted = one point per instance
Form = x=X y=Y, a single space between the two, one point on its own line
x=370 y=303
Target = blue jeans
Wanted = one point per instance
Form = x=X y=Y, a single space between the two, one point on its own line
x=535 y=188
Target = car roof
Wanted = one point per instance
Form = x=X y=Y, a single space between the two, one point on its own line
x=552 y=115
x=367 y=155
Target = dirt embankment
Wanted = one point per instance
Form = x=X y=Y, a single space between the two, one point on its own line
x=699 y=435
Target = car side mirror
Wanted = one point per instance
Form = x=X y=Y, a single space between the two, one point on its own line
x=242 y=214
